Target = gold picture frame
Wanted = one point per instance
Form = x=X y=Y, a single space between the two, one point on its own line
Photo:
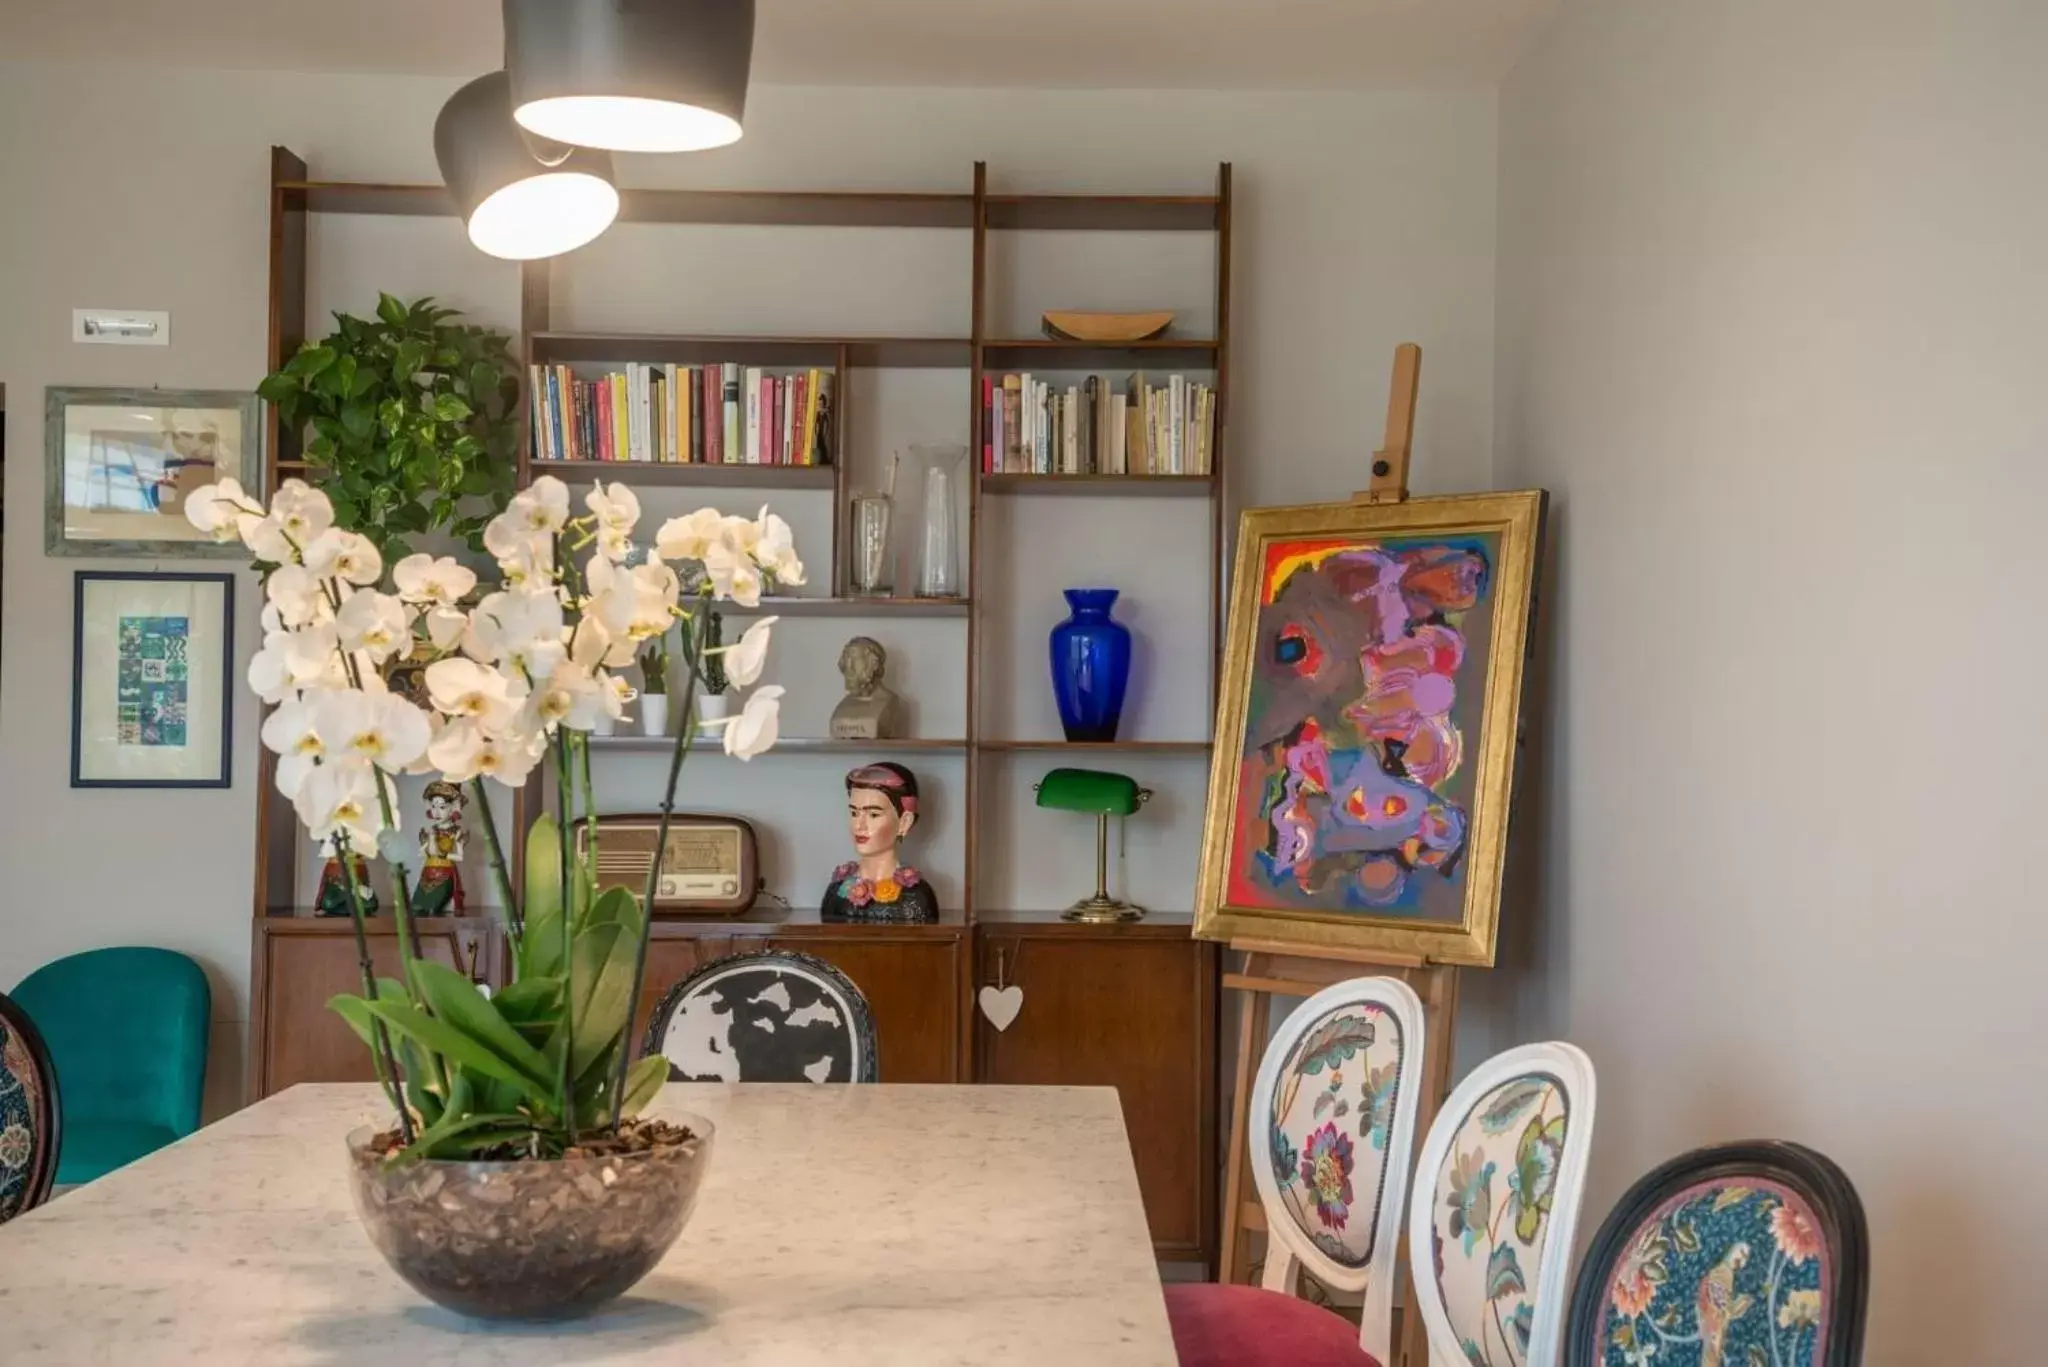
x=1365 y=733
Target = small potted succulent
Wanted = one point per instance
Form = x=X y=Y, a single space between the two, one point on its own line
x=518 y=1175
x=654 y=686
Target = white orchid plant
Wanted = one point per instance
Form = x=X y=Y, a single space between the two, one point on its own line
x=518 y=679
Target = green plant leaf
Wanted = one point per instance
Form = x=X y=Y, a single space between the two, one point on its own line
x=644 y=1082
x=391 y=310
x=277 y=388
x=529 y=1000
x=358 y=419
x=454 y=998
x=452 y=1043
x=311 y=360
x=601 y=986
x=450 y=408
x=541 y=945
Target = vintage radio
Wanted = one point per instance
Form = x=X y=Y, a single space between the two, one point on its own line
x=710 y=865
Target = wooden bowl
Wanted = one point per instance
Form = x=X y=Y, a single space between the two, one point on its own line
x=1075 y=325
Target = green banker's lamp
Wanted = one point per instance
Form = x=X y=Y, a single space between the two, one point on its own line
x=1106 y=795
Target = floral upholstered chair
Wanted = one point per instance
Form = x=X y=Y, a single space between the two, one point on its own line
x=1496 y=1204
x=28 y=1114
x=1744 y=1255
x=1331 y=1120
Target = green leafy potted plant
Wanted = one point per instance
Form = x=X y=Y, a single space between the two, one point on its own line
x=413 y=420
x=518 y=1176
x=654 y=686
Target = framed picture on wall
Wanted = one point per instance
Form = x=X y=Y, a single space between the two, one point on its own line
x=121 y=463
x=151 y=700
x=1365 y=734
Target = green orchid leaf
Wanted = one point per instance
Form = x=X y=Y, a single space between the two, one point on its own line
x=454 y=998
x=644 y=1082
x=449 y=1041
x=601 y=989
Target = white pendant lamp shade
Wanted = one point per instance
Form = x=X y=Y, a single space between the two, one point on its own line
x=520 y=198
x=631 y=75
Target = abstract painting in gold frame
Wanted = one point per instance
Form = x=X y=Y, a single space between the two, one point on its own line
x=1365 y=735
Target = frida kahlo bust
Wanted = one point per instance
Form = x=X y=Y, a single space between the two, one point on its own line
x=881 y=809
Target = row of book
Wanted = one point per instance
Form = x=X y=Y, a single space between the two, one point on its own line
x=1032 y=428
x=697 y=415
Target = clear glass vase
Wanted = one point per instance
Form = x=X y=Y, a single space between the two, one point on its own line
x=940 y=470
x=870 y=567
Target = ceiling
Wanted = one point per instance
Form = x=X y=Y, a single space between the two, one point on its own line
x=1198 y=44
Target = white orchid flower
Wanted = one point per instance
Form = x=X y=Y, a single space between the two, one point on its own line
x=445 y=625
x=507 y=627
x=441 y=581
x=543 y=507
x=689 y=537
x=464 y=750
x=570 y=696
x=622 y=692
x=341 y=800
x=301 y=512
x=593 y=645
x=734 y=574
x=267 y=541
x=755 y=729
x=744 y=531
x=615 y=507
x=775 y=551
x=465 y=690
x=374 y=624
x=745 y=658
x=613 y=544
x=298 y=597
x=219 y=509
x=290 y=734
x=294 y=660
x=336 y=554
x=637 y=603
x=373 y=725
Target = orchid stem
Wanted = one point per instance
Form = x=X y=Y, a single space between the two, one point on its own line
x=565 y=1094
x=513 y=921
x=382 y=1055
x=694 y=654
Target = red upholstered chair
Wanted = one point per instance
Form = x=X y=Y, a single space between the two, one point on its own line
x=1332 y=1120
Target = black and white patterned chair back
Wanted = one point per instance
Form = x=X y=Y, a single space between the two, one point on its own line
x=768 y=1016
x=29 y=1117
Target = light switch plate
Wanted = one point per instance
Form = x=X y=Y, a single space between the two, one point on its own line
x=121 y=327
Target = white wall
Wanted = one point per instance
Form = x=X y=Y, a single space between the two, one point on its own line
x=1362 y=221
x=1771 y=329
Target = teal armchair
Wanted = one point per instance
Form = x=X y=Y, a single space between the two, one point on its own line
x=126 y=1029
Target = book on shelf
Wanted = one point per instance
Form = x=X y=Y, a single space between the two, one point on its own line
x=681 y=415
x=1034 y=427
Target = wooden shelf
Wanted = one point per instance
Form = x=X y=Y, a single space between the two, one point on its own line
x=787 y=745
x=1053 y=354
x=1193 y=486
x=817 y=209
x=1082 y=747
x=882 y=353
x=667 y=475
x=1106 y=213
x=850 y=607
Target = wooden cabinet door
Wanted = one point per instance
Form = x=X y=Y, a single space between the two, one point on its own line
x=1130 y=1008
x=302 y=963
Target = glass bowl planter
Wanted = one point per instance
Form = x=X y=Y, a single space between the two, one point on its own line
x=528 y=1239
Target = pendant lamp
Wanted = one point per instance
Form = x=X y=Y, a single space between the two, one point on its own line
x=521 y=197
x=630 y=75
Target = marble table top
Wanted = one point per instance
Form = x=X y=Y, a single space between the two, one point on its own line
x=841 y=1224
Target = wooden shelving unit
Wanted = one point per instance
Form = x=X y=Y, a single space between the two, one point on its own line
x=1104 y=989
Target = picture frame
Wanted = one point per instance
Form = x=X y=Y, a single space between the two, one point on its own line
x=120 y=462
x=1366 y=730
x=152 y=679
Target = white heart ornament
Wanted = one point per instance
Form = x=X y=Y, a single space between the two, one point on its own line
x=1001 y=1004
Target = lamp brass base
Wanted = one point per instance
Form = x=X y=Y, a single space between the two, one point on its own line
x=1102 y=910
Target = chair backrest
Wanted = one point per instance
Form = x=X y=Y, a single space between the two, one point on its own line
x=1496 y=1204
x=127 y=1029
x=1741 y=1253
x=765 y=1016
x=30 y=1119
x=1334 y=1108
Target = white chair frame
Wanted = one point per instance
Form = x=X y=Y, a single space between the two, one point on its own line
x=1574 y=1073
x=1288 y=1249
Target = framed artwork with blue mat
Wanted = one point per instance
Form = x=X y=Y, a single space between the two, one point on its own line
x=152 y=656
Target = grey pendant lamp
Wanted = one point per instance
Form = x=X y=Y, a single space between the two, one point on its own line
x=630 y=75
x=521 y=197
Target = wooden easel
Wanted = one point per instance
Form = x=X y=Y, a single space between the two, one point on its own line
x=1272 y=969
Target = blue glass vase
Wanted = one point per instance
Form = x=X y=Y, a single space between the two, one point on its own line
x=1091 y=664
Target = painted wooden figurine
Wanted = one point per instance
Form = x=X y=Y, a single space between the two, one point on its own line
x=333 y=897
x=441 y=846
x=881 y=809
